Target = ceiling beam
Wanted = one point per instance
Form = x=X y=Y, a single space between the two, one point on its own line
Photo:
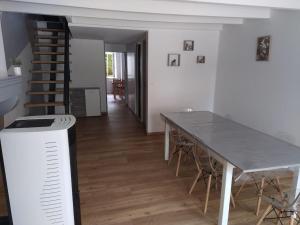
x=279 y=4
x=157 y=18
x=144 y=25
x=147 y=6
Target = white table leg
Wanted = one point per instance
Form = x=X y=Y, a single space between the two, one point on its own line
x=225 y=194
x=167 y=141
x=296 y=183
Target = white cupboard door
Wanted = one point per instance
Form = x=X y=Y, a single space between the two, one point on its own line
x=92 y=101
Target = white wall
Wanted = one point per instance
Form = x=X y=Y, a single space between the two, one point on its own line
x=88 y=66
x=16 y=45
x=177 y=88
x=115 y=47
x=15 y=37
x=262 y=95
x=3 y=66
x=25 y=56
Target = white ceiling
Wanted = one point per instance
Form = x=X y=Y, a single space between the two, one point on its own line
x=109 y=35
x=143 y=14
x=280 y=4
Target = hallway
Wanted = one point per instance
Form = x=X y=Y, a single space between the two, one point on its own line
x=124 y=180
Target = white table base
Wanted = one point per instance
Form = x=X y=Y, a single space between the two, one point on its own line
x=167 y=141
x=225 y=194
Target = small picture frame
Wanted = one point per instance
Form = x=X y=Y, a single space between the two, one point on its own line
x=188 y=45
x=263 y=48
x=173 y=59
x=201 y=59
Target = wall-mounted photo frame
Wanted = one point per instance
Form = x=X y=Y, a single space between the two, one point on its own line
x=263 y=48
x=173 y=59
x=200 y=59
x=188 y=45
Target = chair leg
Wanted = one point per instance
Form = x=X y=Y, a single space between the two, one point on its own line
x=216 y=183
x=292 y=220
x=195 y=181
x=268 y=210
x=178 y=163
x=240 y=189
x=172 y=154
x=232 y=200
x=279 y=187
x=280 y=213
x=261 y=188
x=207 y=193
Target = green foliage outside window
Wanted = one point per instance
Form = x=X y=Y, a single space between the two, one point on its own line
x=109 y=64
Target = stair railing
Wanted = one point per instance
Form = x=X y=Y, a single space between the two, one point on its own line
x=67 y=69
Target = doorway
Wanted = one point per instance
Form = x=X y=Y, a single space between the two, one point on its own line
x=126 y=78
x=115 y=71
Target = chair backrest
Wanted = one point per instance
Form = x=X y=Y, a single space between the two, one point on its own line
x=200 y=155
x=115 y=80
x=177 y=135
x=257 y=176
x=204 y=160
x=118 y=86
x=291 y=202
x=173 y=134
x=215 y=166
x=122 y=84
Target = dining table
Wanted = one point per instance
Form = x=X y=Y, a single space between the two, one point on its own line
x=235 y=146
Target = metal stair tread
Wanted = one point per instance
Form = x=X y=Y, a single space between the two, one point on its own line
x=48 y=45
x=46 y=81
x=45 y=92
x=46 y=62
x=43 y=104
x=50 y=29
x=48 y=53
x=49 y=37
x=47 y=71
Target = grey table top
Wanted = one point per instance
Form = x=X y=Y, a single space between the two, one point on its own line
x=246 y=148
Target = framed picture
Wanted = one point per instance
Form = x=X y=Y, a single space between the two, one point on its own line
x=188 y=45
x=263 y=48
x=200 y=59
x=173 y=59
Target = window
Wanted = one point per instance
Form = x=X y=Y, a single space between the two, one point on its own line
x=114 y=65
x=109 y=61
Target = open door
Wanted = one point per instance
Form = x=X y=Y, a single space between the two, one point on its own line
x=141 y=81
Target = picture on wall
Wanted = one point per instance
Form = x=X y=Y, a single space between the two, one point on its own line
x=200 y=59
x=263 y=48
x=188 y=45
x=174 y=60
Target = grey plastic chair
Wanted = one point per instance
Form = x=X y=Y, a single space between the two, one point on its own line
x=281 y=209
x=210 y=170
x=180 y=145
x=261 y=180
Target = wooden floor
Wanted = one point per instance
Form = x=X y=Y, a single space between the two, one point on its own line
x=124 y=180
